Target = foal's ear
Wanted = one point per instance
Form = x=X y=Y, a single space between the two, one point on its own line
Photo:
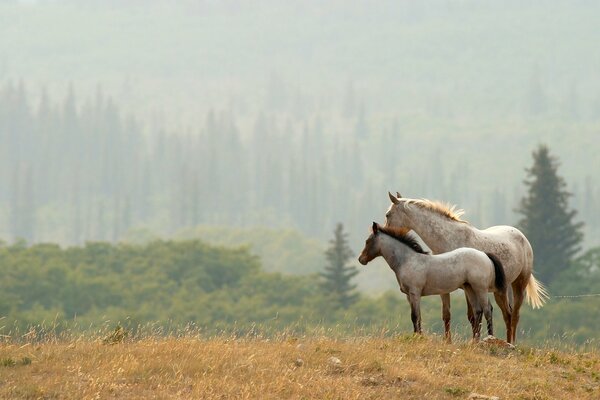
x=374 y=227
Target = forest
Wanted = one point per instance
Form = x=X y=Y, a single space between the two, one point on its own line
x=226 y=114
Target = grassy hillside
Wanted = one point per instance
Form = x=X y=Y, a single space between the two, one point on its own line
x=287 y=367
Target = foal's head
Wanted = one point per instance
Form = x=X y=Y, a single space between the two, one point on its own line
x=373 y=244
x=371 y=249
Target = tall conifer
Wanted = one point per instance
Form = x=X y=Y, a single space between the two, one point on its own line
x=338 y=274
x=547 y=220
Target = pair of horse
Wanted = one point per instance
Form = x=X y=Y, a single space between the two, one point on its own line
x=498 y=259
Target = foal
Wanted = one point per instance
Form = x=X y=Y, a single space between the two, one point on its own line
x=421 y=274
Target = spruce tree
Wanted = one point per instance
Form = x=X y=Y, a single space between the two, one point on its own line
x=547 y=220
x=338 y=274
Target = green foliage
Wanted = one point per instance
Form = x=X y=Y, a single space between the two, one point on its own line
x=547 y=221
x=173 y=284
x=280 y=250
x=337 y=275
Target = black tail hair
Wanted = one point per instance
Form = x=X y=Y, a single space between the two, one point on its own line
x=500 y=281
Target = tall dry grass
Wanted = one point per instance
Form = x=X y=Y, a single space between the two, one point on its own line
x=187 y=366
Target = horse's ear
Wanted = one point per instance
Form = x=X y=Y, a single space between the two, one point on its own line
x=393 y=199
x=374 y=227
x=398 y=195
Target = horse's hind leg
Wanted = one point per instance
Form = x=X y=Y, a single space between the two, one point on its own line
x=446 y=316
x=503 y=302
x=519 y=286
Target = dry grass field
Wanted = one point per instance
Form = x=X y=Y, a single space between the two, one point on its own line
x=403 y=367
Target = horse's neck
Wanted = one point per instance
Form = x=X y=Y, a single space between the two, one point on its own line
x=395 y=253
x=441 y=234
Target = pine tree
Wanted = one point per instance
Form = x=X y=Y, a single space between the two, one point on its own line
x=547 y=221
x=338 y=274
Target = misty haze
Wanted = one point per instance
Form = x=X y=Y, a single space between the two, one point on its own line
x=232 y=129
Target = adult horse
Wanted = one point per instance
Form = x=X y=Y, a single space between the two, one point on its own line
x=421 y=274
x=442 y=229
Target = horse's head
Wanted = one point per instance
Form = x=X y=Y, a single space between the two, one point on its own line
x=371 y=249
x=397 y=214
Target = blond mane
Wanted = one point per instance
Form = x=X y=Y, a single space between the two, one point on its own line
x=447 y=210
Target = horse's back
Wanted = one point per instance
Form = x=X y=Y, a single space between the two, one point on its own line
x=506 y=233
x=509 y=244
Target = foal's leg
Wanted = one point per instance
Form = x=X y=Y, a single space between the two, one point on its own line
x=469 y=309
x=476 y=304
x=446 y=316
x=415 y=311
x=488 y=313
x=504 y=304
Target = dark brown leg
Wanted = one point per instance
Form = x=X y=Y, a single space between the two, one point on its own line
x=519 y=295
x=502 y=301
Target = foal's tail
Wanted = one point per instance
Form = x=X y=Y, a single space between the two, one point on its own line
x=500 y=278
x=536 y=293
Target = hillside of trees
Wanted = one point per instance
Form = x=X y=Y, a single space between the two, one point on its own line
x=78 y=170
x=218 y=289
x=167 y=116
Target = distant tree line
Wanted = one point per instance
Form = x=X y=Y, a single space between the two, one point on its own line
x=80 y=170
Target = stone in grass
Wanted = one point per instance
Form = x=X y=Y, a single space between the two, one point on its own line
x=477 y=396
x=494 y=341
x=335 y=363
x=298 y=362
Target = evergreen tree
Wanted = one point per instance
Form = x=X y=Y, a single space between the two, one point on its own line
x=338 y=274
x=547 y=221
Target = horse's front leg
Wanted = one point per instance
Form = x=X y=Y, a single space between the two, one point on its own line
x=446 y=316
x=415 y=311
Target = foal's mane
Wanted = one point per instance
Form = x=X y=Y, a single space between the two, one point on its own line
x=401 y=234
x=445 y=209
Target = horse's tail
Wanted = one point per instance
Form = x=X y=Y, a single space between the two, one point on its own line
x=500 y=277
x=536 y=293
